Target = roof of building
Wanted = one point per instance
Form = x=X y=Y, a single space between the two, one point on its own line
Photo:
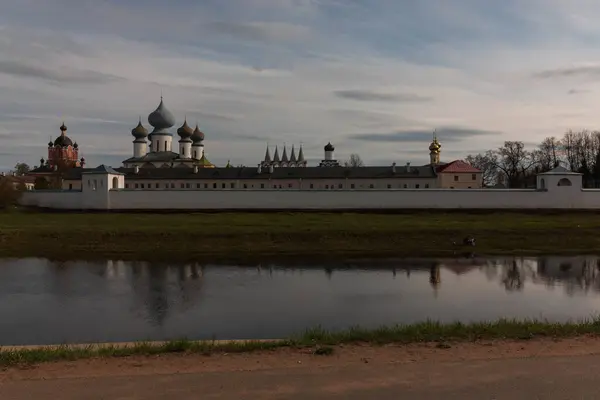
x=278 y=173
x=19 y=178
x=457 y=166
x=560 y=171
x=158 y=156
x=102 y=169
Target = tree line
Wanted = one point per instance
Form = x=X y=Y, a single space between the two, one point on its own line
x=513 y=165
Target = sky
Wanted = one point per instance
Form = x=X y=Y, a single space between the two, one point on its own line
x=373 y=77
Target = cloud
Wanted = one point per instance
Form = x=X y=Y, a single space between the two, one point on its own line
x=310 y=71
x=585 y=71
x=577 y=91
x=63 y=75
x=367 y=95
x=421 y=135
x=261 y=31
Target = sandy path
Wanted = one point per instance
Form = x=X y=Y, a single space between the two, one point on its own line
x=488 y=370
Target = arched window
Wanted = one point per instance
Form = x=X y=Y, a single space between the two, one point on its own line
x=115 y=183
x=564 y=182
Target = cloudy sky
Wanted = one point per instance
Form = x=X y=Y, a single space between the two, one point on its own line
x=374 y=77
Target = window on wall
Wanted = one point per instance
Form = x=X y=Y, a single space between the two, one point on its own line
x=427 y=186
x=172 y=186
x=455 y=178
x=206 y=186
x=182 y=185
x=417 y=186
x=165 y=145
x=156 y=186
x=474 y=177
x=137 y=186
x=127 y=186
x=326 y=186
x=352 y=186
x=405 y=186
x=142 y=185
x=371 y=186
x=195 y=154
x=232 y=185
x=222 y=186
x=70 y=186
x=389 y=186
x=187 y=185
x=312 y=186
x=245 y=186
x=340 y=186
x=289 y=185
x=214 y=185
x=197 y=186
x=262 y=185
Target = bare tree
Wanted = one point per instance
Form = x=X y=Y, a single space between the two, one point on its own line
x=515 y=162
x=548 y=154
x=354 y=161
x=487 y=163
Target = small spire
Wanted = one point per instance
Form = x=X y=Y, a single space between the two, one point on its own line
x=276 y=155
x=293 y=155
x=267 y=156
x=300 y=155
x=284 y=157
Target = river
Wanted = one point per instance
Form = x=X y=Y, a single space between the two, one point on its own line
x=50 y=302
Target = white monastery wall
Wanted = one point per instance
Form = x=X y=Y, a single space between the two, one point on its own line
x=322 y=199
x=65 y=200
x=104 y=191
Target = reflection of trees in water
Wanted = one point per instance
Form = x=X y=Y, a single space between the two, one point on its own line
x=513 y=278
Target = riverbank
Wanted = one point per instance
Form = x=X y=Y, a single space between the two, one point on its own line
x=544 y=368
x=259 y=235
x=316 y=341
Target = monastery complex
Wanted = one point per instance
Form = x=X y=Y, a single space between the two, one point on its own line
x=155 y=166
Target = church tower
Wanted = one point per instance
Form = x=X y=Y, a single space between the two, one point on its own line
x=434 y=150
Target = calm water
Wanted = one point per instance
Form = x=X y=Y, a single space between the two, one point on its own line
x=43 y=302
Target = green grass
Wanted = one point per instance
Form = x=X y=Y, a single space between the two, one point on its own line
x=197 y=235
x=319 y=340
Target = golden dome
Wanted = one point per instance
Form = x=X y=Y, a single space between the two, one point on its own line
x=204 y=163
x=435 y=146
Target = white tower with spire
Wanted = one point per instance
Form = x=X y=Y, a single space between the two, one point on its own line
x=185 y=143
x=197 y=144
x=140 y=144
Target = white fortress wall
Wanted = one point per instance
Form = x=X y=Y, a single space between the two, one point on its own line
x=65 y=200
x=368 y=199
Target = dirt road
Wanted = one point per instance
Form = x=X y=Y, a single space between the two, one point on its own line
x=541 y=369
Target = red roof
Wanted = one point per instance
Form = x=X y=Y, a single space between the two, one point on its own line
x=457 y=166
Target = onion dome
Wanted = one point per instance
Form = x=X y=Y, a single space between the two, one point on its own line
x=63 y=127
x=139 y=132
x=435 y=146
x=50 y=144
x=161 y=118
x=197 y=135
x=42 y=161
x=329 y=147
x=75 y=145
x=63 y=141
x=185 y=131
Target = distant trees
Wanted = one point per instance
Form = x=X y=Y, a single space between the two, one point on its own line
x=9 y=192
x=515 y=166
x=354 y=161
x=21 y=169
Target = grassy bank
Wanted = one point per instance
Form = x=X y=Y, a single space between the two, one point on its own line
x=320 y=340
x=246 y=235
